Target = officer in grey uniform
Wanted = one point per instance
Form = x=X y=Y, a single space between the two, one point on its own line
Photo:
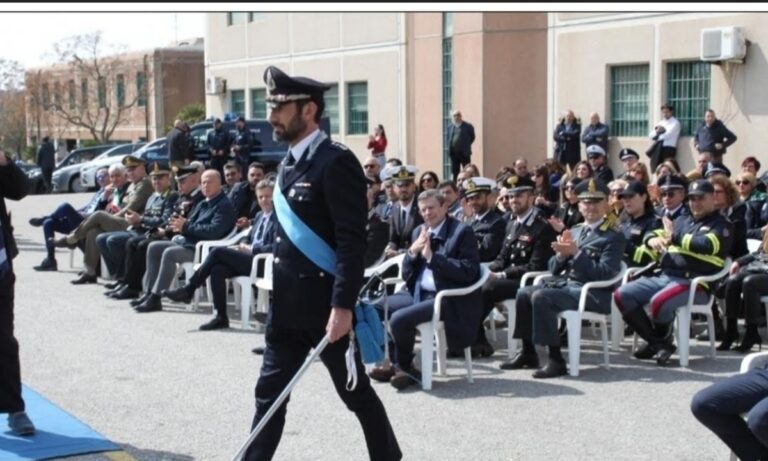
x=589 y=252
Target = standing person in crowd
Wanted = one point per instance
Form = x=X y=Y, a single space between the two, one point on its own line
x=179 y=149
x=46 y=160
x=640 y=220
x=595 y=133
x=405 y=213
x=335 y=220
x=428 y=180
x=377 y=143
x=567 y=145
x=667 y=130
x=629 y=158
x=242 y=144
x=567 y=214
x=596 y=158
x=712 y=136
x=461 y=135
x=219 y=142
x=14 y=185
x=547 y=196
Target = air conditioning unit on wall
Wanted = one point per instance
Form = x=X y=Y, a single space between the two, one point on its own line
x=214 y=85
x=723 y=44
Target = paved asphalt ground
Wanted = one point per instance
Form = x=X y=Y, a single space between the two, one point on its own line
x=162 y=390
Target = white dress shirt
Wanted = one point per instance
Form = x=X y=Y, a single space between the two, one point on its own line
x=427 y=277
x=669 y=138
x=298 y=149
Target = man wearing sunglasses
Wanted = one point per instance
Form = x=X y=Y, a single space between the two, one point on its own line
x=672 y=193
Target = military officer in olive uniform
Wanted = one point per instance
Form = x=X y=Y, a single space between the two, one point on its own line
x=405 y=213
x=309 y=299
x=589 y=252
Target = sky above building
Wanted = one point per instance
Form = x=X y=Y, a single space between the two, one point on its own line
x=29 y=37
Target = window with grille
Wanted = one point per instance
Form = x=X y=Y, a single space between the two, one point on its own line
x=235 y=18
x=629 y=100
x=357 y=108
x=141 y=89
x=237 y=102
x=332 y=107
x=120 y=90
x=688 y=86
x=447 y=87
x=259 y=103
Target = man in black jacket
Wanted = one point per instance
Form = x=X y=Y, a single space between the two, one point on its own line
x=46 y=160
x=219 y=141
x=13 y=185
x=179 y=150
x=461 y=135
x=713 y=137
x=242 y=144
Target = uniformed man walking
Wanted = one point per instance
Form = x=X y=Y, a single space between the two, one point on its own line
x=316 y=284
x=13 y=185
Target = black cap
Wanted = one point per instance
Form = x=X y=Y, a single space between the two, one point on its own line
x=158 y=169
x=672 y=181
x=282 y=88
x=634 y=188
x=517 y=185
x=701 y=187
x=592 y=190
x=716 y=168
x=624 y=153
x=218 y=120
x=240 y=119
x=182 y=172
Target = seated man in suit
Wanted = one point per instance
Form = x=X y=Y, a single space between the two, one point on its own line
x=527 y=248
x=211 y=219
x=405 y=214
x=589 y=252
x=443 y=255
x=223 y=263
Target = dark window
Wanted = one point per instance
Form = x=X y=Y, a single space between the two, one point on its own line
x=84 y=93
x=357 y=108
x=258 y=103
x=120 y=90
x=237 y=102
x=72 y=94
x=46 y=96
x=234 y=19
x=332 y=107
x=141 y=89
x=688 y=86
x=629 y=100
x=102 y=88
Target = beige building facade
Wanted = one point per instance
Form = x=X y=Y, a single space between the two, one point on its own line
x=626 y=65
x=172 y=78
x=413 y=68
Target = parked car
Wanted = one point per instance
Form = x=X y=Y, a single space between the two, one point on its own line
x=156 y=151
x=66 y=176
x=105 y=160
x=265 y=149
x=35 y=175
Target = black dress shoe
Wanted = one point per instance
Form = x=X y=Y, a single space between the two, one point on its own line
x=140 y=299
x=111 y=293
x=179 y=295
x=258 y=350
x=83 y=279
x=36 y=222
x=483 y=349
x=646 y=352
x=552 y=369
x=113 y=285
x=750 y=340
x=664 y=354
x=216 y=323
x=48 y=264
x=152 y=304
x=125 y=293
x=520 y=361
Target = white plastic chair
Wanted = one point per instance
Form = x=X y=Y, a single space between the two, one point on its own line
x=684 y=314
x=436 y=329
x=751 y=361
x=573 y=321
x=509 y=307
x=243 y=289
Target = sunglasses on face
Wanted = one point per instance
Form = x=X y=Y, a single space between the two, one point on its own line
x=617 y=192
x=569 y=188
x=741 y=183
x=370 y=166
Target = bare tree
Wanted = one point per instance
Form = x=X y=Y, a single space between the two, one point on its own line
x=13 y=131
x=87 y=88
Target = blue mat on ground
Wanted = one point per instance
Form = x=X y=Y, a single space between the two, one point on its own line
x=58 y=434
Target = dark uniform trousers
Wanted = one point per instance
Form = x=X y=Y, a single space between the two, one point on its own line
x=10 y=369
x=753 y=287
x=136 y=260
x=285 y=353
x=221 y=264
x=719 y=407
x=496 y=290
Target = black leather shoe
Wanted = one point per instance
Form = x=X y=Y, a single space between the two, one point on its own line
x=125 y=293
x=179 y=295
x=217 y=323
x=152 y=304
x=482 y=350
x=113 y=285
x=552 y=369
x=83 y=279
x=140 y=299
x=111 y=293
x=258 y=350
x=520 y=361
x=404 y=378
x=20 y=424
x=664 y=354
x=48 y=264
x=646 y=352
x=36 y=222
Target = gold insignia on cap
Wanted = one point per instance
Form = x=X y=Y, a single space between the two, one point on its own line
x=403 y=174
x=591 y=187
x=175 y=169
x=512 y=180
x=156 y=168
x=471 y=185
x=270 y=81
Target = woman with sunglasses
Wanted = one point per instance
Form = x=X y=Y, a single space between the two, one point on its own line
x=567 y=214
x=756 y=215
x=547 y=197
x=428 y=180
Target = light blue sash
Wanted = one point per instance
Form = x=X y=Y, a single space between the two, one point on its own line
x=302 y=237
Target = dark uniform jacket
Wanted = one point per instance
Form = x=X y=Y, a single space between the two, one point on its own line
x=242 y=197
x=697 y=247
x=737 y=216
x=14 y=185
x=377 y=236
x=527 y=247
x=303 y=292
x=183 y=207
x=158 y=210
x=634 y=230
x=489 y=232
x=46 y=155
x=599 y=258
x=569 y=213
x=756 y=216
x=220 y=140
x=210 y=220
x=400 y=232
x=682 y=211
x=567 y=145
x=604 y=174
x=179 y=148
x=244 y=140
x=596 y=134
x=455 y=263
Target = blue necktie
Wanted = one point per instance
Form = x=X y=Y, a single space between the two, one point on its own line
x=4 y=266
x=260 y=230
